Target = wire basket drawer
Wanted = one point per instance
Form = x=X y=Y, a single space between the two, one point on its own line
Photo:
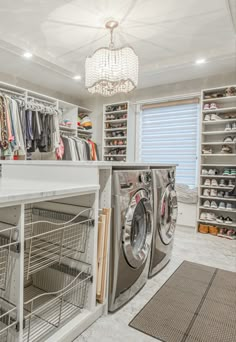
x=8 y=322
x=51 y=236
x=57 y=294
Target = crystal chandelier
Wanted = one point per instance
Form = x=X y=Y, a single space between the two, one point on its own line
x=109 y=70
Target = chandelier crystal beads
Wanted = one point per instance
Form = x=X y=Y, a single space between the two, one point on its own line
x=110 y=71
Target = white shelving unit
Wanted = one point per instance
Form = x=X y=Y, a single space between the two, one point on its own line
x=118 y=132
x=213 y=133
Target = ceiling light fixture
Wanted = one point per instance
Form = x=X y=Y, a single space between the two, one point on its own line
x=27 y=54
x=200 y=61
x=77 y=77
x=111 y=70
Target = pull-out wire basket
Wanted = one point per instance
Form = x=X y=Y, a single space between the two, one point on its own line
x=8 y=322
x=56 y=295
x=8 y=243
x=50 y=236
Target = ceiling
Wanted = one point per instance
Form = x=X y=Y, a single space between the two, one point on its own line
x=168 y=37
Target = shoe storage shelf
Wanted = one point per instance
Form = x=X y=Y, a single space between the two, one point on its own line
x=217 y=176
x=48 y=266
x=118 y=132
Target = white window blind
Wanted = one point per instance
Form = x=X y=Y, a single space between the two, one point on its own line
x=169 y=134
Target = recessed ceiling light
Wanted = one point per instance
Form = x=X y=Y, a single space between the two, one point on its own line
x=27 y=54
x=200 y=61
x=77 y=77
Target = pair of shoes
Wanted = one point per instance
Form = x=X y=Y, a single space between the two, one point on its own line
x=213 y=230
x=229 y=172
x=223 y=183
x=229 y=139
x=225 y=220
x=212 y=182
x=226 y=149
x=207 y=150
x=227 y=233
x=227 y=206
x=210 y=106
x=210 y=172
x=230 y=127
x=212 y=117
x=207 y=216
x=208 y=204
x=210 y=193
x=203 y=228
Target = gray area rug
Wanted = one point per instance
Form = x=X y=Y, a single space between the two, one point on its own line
x=196 y=304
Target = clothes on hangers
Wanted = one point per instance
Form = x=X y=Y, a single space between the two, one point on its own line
x=76 y=148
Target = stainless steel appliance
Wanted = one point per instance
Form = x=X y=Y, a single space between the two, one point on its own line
x=165 y=209
x=131 y=235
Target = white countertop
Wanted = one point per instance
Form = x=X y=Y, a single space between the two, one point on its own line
x=14 y=191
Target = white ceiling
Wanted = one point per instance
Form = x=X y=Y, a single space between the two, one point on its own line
x=168 y=37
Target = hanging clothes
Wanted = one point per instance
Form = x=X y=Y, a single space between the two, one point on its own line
x=76 y=148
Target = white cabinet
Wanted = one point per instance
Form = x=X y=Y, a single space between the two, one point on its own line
x=187 y=214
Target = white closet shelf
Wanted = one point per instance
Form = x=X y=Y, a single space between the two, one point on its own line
x=115 y=129
x=66 y=128
x=218 y=176
x=115 y=146
x=218 y=132
x=216 y=122
x=219 y=110
x=233 y=166
x=116 y=121
x=219 y=154
x=84 y=131
x=220 y=99
x=117 y=112
x=219 y=143
x=115 y=155
x=230 y=199
x=232 y=225
x=217 y=187
x=115 y=138
x=218 y=209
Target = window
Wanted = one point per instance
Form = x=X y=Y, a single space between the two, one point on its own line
x=169 y=134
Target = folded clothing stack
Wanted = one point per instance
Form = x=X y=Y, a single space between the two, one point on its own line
x=84 y=121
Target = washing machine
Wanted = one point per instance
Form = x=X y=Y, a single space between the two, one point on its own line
x=165 y=211
x=131 y=235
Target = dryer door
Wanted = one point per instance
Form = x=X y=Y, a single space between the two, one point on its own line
x=168 y=214
x=137 y=230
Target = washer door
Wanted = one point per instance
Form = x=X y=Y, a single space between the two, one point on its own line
x=137 y=231
x=168 y=214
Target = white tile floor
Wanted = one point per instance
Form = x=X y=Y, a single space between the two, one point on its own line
x=204 y=249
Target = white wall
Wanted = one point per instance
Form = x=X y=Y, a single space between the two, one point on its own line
x=96 y=102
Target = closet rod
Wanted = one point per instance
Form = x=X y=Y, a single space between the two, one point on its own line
x=42 y=101
x=10 y=92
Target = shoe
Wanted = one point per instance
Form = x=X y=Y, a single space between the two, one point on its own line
x=229 y=206
x=213 y=106
x=222 y=183
x=207 y=117
x=226 y=172
x=212 y=172
x=203 y=216
x=206 y=192
x=214 y=182
x=206 y=106
x=228 y=139
x=213 y=193
x=234 y=126
x=220 y=194
x=233 y=172
x=228 y=220
x=207 y=182
x=203 y=228
x=207 y=150
x=222 y=231
x=215 y=117
x=234 y=140
x=230 y=232
x=231 y=184
x=226 y=149
x=213 y=205
x=222 y=205
x=210 y=216
x=228 y=127
x=204 y=172
x=220 y=219
x=226 y=194
x=206 y=204
x=213 y=230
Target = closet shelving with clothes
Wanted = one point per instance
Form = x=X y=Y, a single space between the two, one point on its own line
x=33 y=126
x=217 y=179
x=118 y=132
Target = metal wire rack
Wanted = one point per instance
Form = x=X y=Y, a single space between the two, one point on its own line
x=8 y=322
x=8 y=243
x=58 y=236
x=57 y=294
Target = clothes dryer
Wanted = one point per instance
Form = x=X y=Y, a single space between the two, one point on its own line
x=131 y=235
x=165 y=210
